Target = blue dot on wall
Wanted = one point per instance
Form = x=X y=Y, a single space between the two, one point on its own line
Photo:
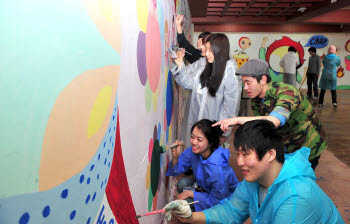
x=109 y=164
x=105 y=161
x=93 y=197
x=113 y=117
x=108 y=151
x=24 y=218
x=87 y=199
x=88 y=181
x=92 y=167
x=101 y=184
x=98 y=176
x=72 y=215
x=99 y=156
x=46 y=211
x=109 y=130
x=81 y=178
x=64 y=193
x=104 y=144
x=88 y=221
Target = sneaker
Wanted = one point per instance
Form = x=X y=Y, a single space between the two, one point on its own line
x=314 y=98
x=335 y=104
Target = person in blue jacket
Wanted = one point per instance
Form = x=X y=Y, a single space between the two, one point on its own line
x=278 y=187
x=329 y=75
x=213 y=178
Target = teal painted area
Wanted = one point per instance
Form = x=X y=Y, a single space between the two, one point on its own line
x=44 y=46
x=343 y=87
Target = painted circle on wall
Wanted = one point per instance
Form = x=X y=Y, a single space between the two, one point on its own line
x=153 y=52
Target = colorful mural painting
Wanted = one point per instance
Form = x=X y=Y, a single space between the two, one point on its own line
x=273 y=46
x=88 y=101
x=241 y=56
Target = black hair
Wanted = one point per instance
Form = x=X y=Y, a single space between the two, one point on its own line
x=205 y=38
x=213 y=73
x=259 y=77
x=291 y=48
x=201 y=35
x=212 y=134
x=259 y=136
x=312 y=49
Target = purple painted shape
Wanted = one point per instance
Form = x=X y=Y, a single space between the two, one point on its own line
x=141 y=58
x=155 y=133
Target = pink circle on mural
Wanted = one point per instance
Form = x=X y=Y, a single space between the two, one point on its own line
x=141 y=58
x=153 y=52
x=150 y=149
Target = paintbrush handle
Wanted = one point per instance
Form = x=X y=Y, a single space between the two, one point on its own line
x=160 y=211
x=154 y=212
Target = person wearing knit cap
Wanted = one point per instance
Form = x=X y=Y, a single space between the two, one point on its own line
x=328 y=79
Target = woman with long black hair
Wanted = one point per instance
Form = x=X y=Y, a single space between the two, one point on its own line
x=216 y=90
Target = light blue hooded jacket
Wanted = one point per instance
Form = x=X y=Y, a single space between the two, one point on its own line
x=328 y=80
x=213 y=174
x=294 y=197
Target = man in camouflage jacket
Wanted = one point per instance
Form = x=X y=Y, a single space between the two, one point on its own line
x=283 y=105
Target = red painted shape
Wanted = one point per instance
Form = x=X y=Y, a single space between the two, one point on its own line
x=117 y=190
x=286 y=41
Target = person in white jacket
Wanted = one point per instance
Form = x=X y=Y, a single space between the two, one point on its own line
x=216 y=90
x=289 y=63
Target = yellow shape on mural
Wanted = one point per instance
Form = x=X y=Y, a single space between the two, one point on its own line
x=106 y=9
x=99 y=110
x=142 y=14
x=155 y=100
x=148 y=176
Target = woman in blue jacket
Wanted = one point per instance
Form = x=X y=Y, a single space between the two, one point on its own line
x=213 y=178
x=329 y=75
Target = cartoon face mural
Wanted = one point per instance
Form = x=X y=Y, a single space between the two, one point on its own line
x=241 y=57
x=347 y=58
x=244 y=43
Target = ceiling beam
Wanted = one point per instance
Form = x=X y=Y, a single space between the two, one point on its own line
x=229 y=18
x=247 y=7
x=271 y=28
x=291 y=6
x=320 y=11
x=227 y=5
x=198 y=7
x=267 y=8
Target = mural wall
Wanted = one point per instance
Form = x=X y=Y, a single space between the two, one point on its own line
x=87 y=101
x=273 y=46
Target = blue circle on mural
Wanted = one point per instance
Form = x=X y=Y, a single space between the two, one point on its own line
x=46 y=211
x=24 y=218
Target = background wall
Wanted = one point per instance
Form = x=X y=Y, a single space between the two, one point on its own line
x=87 y=100
x=273 y=46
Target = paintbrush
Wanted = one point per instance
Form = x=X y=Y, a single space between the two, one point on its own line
x=160 y=211
x=181 y=48
x=167 y=147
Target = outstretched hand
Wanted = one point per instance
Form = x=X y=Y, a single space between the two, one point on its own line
x=180 y=57
x=226 y=124
x=178 y=19
x=180 y=208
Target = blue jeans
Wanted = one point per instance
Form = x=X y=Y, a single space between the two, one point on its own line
x=186 y=183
